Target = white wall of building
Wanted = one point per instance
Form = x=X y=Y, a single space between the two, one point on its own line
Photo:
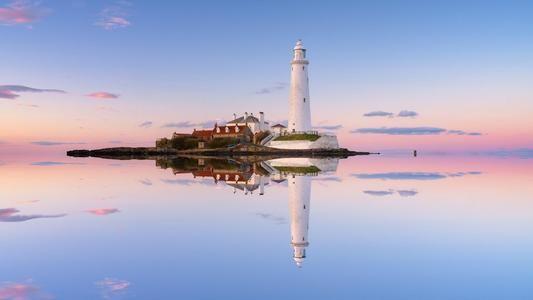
x=324 y=142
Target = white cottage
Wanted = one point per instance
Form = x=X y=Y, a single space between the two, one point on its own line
x=256 y=125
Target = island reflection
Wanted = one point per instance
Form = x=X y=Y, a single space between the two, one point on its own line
x=249 y=176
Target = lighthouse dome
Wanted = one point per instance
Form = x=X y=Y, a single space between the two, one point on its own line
x=299 y=45
x=299 y=261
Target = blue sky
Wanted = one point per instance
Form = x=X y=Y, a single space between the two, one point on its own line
x=461 y=65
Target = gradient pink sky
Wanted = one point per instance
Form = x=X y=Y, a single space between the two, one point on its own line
x=95 y=75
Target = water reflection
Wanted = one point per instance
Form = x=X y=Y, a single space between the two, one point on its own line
x=251 y=176
x=241 y=226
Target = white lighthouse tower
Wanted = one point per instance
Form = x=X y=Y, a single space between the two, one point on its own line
x=299 y=104
x=299 y=201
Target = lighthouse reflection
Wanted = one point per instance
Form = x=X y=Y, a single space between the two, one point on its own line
x=250 y=177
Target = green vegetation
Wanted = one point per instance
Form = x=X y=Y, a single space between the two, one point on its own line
x=299 y=170
x=179 y=143
x=179 y=164
x=223 y=142
x=298 y=137
x=184 y=143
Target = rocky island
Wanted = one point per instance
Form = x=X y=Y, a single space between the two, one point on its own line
x=248 y=135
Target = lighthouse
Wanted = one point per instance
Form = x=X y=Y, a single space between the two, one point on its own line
x=299 y=201
x=299 y=103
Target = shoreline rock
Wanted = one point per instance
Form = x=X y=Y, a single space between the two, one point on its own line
x=241 y=150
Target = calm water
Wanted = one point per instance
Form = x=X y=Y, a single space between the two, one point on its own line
x=362 y=228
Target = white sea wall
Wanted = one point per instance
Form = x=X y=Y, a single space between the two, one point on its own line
x=324 y=164
x=324 y=142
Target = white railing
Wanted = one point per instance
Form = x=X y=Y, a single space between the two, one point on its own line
x=267 y=139
x=314 y=132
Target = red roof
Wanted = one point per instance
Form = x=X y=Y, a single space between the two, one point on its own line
x=202 y=133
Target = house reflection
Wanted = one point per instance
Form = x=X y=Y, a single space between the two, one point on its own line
x=252 y=176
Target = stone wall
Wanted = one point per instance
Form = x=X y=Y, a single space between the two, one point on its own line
x=324 y=142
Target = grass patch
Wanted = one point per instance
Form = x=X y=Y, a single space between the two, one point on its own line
x=298 y=137
x=298 y=170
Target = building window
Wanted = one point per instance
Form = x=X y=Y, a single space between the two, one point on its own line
x=304 y=206
x=303 y=68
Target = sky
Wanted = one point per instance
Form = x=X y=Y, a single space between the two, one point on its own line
x=384 y=75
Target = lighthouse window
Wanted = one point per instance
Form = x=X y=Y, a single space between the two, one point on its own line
x=303 y=68
x=304 y=99
x=304 y=206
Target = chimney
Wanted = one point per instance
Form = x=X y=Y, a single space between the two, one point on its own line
x=261 y=186
x=246 y=118
x=234 y=116
x=262 y=126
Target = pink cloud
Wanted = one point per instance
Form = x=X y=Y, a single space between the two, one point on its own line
x=103 y=211
x=21 y=291
x=11 y=91
x=10 y=215
x=16 y=291
x=112 y=287
x=21 y=12
x=114 y=22
x=114 y=17
x=103 y=95
x=7 y=94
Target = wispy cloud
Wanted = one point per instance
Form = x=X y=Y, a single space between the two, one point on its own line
x=424 y=130
x=401 y=114
x=461 y=132
x=407 y=193
x=22 y=12
x=328 y=127
x=327 y=178
x=54 y=143
x=103 y=211
x=379 y=113
x=28 y=201
x=276 y=219
x=146 y=181
x=278 y=86
x=402 y=193
x=379 y=193
x=8 y=215
x=189 y=124
x=103 y=95
x=146 y=124
x=413 y=175
x=115 y=142
x=112 y=288
x=115 y=16
x=28 y=105
x=401 y=130
x=12 y=91
x=407 y=114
